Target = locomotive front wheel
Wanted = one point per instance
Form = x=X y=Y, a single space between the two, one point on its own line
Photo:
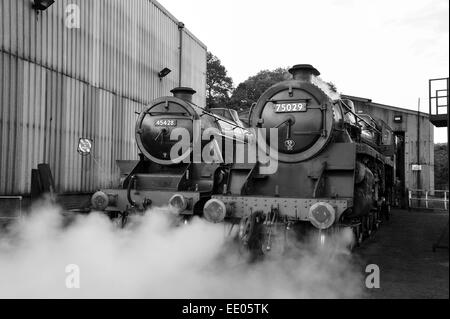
x=371 y=224
x=251 y=235
x=355 y=241
x=387 y=212
x=374 y=222
x=368 y=226
x=246 y=229
x=360 y=239
x=377 y=221
x=359 y=236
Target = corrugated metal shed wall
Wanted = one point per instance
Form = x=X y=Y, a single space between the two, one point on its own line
x=409 y=126
x=59 y=84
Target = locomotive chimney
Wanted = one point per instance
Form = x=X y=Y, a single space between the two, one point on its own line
x=304 y=72
x=183 y=93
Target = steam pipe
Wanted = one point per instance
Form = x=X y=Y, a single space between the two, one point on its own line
x=419 y=183
x=130 y=200
x=180 y=28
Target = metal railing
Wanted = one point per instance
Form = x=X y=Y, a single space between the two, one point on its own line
x=429 y=198
x=18 y=210
x=438 y=96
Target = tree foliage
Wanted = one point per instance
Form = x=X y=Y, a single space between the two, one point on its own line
x=219 y=85
x=249 y=91
x=440 y=167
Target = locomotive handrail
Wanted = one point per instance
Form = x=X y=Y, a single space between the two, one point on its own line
x=232 y=138
x=179 y=114
x=205 y=112
x=289 y=120
x=308 y=132
x=359 y=117
x=130 y=183
x=287 y=100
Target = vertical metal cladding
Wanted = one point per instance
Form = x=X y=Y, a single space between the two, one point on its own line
x=59 y=84
x=409 y=127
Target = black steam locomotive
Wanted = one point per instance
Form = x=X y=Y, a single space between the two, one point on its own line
x=334 y=167
x=180 y=161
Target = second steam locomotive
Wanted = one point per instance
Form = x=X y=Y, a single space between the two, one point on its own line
x=334 y=166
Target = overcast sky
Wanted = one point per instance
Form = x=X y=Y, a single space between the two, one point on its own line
x=385 y=50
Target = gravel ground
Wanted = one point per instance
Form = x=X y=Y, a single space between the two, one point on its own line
x=402 y=249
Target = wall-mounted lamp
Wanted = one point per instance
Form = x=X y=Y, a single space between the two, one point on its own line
x=42 y=5
x=164 y=72
x=398 y=119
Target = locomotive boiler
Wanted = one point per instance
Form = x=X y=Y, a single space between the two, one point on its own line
x=335 y=167
x=170 y=135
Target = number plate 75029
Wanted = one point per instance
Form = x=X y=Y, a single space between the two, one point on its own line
x=291 y=107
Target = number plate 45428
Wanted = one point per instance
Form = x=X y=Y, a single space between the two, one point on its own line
x=166 y=123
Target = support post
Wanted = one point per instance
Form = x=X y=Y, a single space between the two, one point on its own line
x=445 y=200
x=180 y=62
x=409 y=199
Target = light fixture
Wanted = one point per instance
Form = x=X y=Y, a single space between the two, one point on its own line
x=42 y=5
x=164 y=72
x=398 y=119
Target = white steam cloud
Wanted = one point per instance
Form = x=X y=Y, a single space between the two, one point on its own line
x=154 y=257
x=326 y=87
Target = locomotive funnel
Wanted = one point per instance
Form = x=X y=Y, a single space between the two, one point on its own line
x=183 y=93
x=303 y=72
